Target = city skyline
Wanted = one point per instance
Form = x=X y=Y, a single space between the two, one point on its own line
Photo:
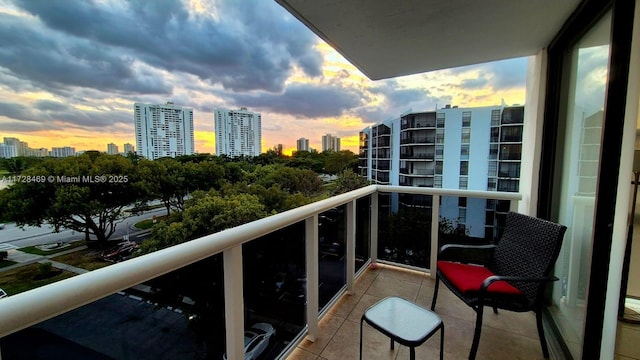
x=71 y=79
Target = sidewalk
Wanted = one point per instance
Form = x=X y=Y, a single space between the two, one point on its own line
x=22 y=258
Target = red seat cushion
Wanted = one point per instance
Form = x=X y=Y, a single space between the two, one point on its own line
x=470 y=277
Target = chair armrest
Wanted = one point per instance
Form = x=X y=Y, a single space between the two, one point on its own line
x=478 y=254
x=491 y=279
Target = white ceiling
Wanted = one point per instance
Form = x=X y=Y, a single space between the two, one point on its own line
x=389 y=38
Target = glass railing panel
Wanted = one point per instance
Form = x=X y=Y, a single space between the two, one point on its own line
x=275 y=285
x=332 y=245
x=404 y=229
x=363 y=231
x=179 y=315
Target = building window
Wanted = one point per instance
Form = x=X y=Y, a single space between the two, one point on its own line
x=495 y=135
x=508 y=185
x=495 y=117
x=462 y=202
x=510 y=152
x=493 y=151
x=440 y=136
x=509 y=170
x=466 y=135
x=462 y=216
x=439 y=151
x=438 y=167
x=463 y=183
x=437 y=181
x=493 y=169
x=466 y=118
x=440 y=117
x=511 y=134
x=492 y=184
x=464 y=152
x=464 y=168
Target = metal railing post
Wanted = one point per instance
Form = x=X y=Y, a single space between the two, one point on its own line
x=351 y=245
x=374 y=227
x=234 y=302
x=311 y=250
x=435 y=224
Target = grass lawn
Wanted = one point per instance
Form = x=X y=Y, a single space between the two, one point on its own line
x=5 y=263
x=24 y=278
x=85 y=259
x=148 y=224
x=37 y=251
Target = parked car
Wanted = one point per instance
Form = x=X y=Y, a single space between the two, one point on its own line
x=256 y=340
x=120 y=252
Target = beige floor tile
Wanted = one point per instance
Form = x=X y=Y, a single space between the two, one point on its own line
x=300 y=354
x=504 y=336
x=384 y=286
x=345 y=344
x=327 y=327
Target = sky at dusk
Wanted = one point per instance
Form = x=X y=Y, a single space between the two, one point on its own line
x=70 y=72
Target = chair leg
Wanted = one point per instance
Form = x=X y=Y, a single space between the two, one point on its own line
x=435 y=293
x=360 y=339
x=543 y=340
x=476 y=334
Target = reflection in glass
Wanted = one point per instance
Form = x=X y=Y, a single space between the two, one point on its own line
x=580 y=158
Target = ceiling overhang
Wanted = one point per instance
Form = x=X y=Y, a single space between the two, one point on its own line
x=387 y=39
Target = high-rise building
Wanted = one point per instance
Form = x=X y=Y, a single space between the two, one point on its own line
x=63 y=151
x=330 y=143
x=128 y=148
x=22 y=148
x=112 y=149
x=238 y=132
x=8 y=151
x=302 y=144
x=455 y=148
x=163 y=130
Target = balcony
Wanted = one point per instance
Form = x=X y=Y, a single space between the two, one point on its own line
x=504 y=336
x=310 y=322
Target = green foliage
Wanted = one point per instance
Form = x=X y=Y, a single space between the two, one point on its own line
x=336 y=162
x=87 y=192
x=45 y=268
x=205 y=213
x=347 y=181
x=289 y=179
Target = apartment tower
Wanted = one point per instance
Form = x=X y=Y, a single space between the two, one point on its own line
x=163 y=130
x=454 y=148
x=330 y=143
x=238 y=132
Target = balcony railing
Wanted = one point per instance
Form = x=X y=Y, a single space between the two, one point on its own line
x=33 y=307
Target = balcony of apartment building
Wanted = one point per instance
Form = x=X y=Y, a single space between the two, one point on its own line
x=418 y=121
x=418 y=152
x=309 y=273
x=418 y=137
x=381 y=165
x=381 y=141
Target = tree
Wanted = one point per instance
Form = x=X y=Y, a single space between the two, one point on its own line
x=206 y=213
x=87 y=193
x=347 y=181
x=335 y=162
x=290 y=179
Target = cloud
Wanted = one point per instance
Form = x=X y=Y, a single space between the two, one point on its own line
x=251 y=47
x=497 y=75
x=34 y=54
x=304 y=100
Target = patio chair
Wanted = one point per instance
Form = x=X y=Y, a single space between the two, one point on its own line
x=513 y=276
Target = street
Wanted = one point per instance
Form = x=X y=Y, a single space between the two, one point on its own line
x=12 y=236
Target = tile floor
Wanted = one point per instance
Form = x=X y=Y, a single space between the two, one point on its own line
x=506 y=335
